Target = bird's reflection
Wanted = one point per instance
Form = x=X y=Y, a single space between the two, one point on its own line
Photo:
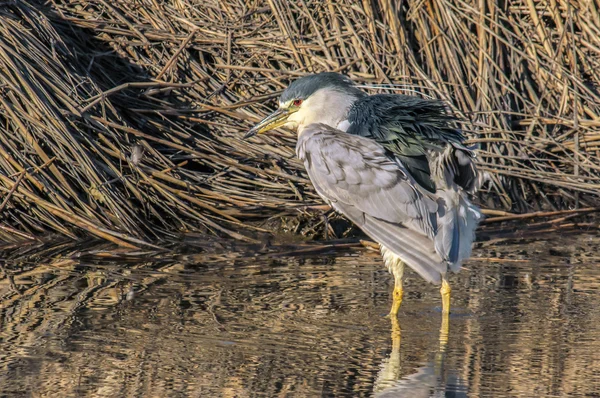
x=427 y=381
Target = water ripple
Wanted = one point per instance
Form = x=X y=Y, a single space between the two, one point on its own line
x=306 y=327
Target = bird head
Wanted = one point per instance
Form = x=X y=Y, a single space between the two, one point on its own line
x=320 y=98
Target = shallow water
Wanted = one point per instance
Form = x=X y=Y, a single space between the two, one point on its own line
x=525 y=322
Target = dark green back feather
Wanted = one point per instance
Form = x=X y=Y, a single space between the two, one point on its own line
x=408 y=127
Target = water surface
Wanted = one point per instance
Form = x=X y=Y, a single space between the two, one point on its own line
x=525 y=323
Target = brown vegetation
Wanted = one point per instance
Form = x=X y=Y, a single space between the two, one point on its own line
x=123 y=119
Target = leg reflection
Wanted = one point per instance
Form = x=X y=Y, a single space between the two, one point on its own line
x=391 y=367
x=430 y=377
x=444 y=332
x=445 y=328
x=441 y=354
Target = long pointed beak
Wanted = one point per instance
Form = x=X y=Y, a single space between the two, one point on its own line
x=274 y=120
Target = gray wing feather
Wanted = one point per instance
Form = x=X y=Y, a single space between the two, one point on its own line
x=356 y=171
x=355 y=175
x=413 y=248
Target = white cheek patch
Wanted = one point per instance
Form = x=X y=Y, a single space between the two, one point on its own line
x=295 y=119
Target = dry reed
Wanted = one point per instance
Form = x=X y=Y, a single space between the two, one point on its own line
x=123 y=119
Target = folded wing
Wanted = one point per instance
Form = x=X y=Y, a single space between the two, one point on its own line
x=376 y=192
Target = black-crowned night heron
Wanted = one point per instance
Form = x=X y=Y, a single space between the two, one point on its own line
x=395 y=165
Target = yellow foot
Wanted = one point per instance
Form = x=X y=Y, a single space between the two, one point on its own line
x=397 y=300
x=445 y=290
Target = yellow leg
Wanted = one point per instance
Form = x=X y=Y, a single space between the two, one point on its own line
x=445 y=290
x=396 y=267
x=397 y=299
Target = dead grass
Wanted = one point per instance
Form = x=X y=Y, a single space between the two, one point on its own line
x=123 y=119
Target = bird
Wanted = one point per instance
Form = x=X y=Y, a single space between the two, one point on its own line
x=395 y=165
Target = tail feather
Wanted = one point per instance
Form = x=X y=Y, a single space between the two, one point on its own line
x=469 y=217
x=457 y=221
x=447 y=237
x=455 y=176
x=455 y=168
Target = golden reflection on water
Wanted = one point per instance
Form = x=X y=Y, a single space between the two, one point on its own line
x=528 y=325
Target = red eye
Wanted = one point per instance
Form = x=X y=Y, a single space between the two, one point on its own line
x=297 y=102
